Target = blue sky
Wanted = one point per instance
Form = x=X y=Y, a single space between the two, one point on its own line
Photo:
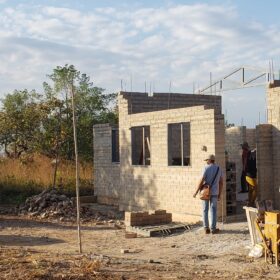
x=153 y=41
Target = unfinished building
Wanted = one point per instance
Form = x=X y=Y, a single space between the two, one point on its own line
x=154 y=158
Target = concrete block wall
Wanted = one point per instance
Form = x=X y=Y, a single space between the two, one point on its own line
x=140 y=102
x=160 y=186
x=234 y=137
x=264 y=147
x=273 y=117
x=251 y=137
x=106 y=174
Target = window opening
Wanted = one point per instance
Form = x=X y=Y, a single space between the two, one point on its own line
x=115 y=146
x=179 y=144
x=141 y=148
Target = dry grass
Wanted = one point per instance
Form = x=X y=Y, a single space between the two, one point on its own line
x=29 y=175
x=30 y=264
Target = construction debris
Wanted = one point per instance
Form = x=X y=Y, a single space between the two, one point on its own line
x=52 y=204
x=124 y=251
x=130 y=235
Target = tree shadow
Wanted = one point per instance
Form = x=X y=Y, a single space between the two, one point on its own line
x=27 y=240
x=15 y=222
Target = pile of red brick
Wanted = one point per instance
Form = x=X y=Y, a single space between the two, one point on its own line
x=147 y=218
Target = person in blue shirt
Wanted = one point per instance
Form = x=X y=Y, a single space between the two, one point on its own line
x=216 y=190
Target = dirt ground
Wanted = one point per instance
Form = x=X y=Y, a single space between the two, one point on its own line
x=34 y=249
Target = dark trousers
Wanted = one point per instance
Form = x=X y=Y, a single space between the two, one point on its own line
x=244 y=185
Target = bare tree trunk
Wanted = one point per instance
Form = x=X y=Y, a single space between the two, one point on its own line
x=77 y=168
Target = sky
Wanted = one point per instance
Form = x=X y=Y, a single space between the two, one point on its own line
x=169 y=44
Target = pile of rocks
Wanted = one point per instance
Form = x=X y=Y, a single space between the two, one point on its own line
x=51 y=204
x=47 y=204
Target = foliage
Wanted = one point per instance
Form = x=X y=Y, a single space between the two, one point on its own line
x=92 y=106
x=20 y=122
x=32 y=122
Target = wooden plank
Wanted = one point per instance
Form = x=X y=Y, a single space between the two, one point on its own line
x=251 y=214
x=150 y=231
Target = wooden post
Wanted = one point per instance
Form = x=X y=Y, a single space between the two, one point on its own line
x=77 y=169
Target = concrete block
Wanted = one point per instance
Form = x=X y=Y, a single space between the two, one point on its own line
x=130 y=235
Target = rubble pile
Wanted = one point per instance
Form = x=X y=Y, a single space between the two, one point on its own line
x=52 y=204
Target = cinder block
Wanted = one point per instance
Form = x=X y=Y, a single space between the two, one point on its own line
x=130 y=235
x=168 y=217
x=160 y=212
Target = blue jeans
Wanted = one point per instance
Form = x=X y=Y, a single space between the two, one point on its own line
x=213 y=211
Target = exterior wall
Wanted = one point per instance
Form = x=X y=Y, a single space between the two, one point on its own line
x=106 y=174
x=251 y=137
x=273 y=116
x=171 y=187
x=265 y=162
x=234 y=137
x=160 y=186
x=140 y=102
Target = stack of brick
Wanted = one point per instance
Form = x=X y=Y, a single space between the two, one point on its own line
x=147 y=218
x=234 y=137
x=231 y=187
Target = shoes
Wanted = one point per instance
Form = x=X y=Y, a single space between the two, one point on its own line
x=207 y=230
x=215 y=231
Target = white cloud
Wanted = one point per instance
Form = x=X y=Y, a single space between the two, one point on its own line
x=182 y=43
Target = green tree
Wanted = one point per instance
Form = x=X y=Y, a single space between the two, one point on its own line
x=32 y=122
x=92 y=106
x=20 y=122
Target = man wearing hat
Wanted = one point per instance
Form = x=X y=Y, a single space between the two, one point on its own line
x=245 y=154
x=212 y=175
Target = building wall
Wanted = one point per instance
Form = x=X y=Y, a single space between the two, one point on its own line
x=265 y=162
x=106 y=174
x=140 y=102
x=251 y=137
x=273 y=116
x=234 y=136
x=160 y=186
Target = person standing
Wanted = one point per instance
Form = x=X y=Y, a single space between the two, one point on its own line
x=245 y=155
x=251 y=177
x=212 y=175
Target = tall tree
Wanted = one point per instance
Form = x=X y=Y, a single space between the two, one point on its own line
x=92 y=106
x=20 y=122
x=33 y=122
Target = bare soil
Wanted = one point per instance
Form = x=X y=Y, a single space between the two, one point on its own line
x=36 y=249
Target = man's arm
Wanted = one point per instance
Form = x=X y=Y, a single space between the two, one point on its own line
x=221 y=183
x=199 y=186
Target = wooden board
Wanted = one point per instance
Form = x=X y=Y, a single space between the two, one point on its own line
x=158 y=230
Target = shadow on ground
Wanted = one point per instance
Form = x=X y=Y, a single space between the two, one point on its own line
x=229 y=231
x=23 y=240
x=15 y=222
